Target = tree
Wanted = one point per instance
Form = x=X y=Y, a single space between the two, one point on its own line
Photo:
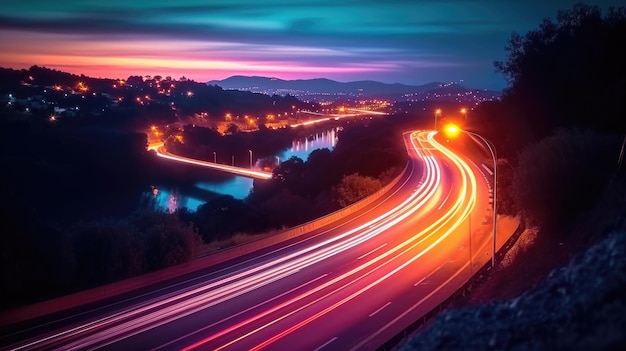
x=568 y=73
x=354 y=187
x=562 y=175
x=165 y=238
x=232 y=129
x=291 y=173
x=222 y=216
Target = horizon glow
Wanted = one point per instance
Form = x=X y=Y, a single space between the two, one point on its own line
x=395 y=42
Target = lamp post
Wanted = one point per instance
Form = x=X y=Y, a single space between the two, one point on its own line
x=464 y=112
x=437 y=113
x=214 y=157
x=452 y=130
x=250 y=158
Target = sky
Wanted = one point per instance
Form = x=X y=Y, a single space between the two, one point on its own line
x=392 y=41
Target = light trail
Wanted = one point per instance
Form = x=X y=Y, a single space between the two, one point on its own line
x=236 y=285
x=465 y=211
x=266 y=319
x=160 y=151
x=336 y=116
x=159 y=147
x=351 y=276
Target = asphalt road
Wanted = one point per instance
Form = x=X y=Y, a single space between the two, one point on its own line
x=348 y=286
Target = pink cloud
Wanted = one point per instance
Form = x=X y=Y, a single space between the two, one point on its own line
x=196 y=60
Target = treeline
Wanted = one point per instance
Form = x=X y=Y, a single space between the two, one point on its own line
x=40 y=260
x=208 y=144
x=73 y=215
x=69 y=215
x=366 y=157
x=560 y=126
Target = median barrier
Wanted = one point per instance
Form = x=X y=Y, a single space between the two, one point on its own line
x=93 y=295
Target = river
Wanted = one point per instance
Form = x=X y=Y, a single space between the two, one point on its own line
x=194 y=195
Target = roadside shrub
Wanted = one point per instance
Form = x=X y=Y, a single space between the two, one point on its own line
x=562 y=175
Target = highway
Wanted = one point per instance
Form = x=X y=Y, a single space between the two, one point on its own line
x=336 y=116
x=159 y=148
x=351 y=285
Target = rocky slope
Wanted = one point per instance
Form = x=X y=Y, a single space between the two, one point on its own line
x=580 y=306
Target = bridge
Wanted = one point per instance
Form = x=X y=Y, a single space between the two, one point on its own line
x=160 y=150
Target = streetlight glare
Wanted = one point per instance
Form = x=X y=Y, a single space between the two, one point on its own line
x=452 y=130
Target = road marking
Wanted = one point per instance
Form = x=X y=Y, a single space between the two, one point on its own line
x=487 y=169
x=378 y=248
x=420 y=282
x=380 y=309
x=326 y=344
x=163 y=346
x=444 y=200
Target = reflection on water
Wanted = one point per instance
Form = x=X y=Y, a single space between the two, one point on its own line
x=170 y=198
x=302 y=148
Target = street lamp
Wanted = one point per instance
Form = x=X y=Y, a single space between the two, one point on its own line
x=464 y=112
x=437 y=113
x=250 y=158
x=452 y=131
x=214 y=157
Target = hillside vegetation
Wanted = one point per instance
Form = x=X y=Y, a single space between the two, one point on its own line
x=560 y=127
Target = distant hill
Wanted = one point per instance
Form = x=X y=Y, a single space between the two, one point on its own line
x=322 y=86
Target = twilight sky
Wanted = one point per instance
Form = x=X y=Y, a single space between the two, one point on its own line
x=404 y=41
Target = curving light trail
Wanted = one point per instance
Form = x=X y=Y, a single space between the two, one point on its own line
x=443 y=226
x=161 y=152
x=336 y=116
x=372 y=259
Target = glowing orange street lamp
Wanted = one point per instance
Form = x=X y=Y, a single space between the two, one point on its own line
x=464 y=112
x=437 y=113
x=451 y=130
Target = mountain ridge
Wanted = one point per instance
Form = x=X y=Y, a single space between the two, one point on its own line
x=272 y=85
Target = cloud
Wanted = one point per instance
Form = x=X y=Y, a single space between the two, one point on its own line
x=365 y=36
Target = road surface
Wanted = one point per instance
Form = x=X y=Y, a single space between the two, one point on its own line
x=159 y=148
x=348 y=286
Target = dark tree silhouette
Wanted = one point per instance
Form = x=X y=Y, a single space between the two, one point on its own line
x=354 y=187
x=568 y=73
